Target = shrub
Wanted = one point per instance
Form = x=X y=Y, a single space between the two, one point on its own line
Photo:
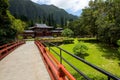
x=67 y=32
x=20 y=37
x=80 y=50
x=29 y=37
x=37 y=38
x=76 y=41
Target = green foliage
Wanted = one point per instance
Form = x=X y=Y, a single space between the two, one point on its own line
x=37 y=38
x=78 y=29
x=20 y=37
x=67 y=32
x=101 y=20
x=18 y=25
x=80 y=49
x=118 y=43
x=76 y=41
x=8 y=33
x=108 y=24
x=119 y=50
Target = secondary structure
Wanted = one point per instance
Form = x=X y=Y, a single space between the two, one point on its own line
x=42 y=30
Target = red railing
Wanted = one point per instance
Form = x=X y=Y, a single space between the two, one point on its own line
x=7 y=48
x=56 y=70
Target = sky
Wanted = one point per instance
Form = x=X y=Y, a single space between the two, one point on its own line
x=71 y=6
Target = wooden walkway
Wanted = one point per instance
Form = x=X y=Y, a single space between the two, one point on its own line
x=24 y=63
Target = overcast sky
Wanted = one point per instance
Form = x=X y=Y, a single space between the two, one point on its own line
x=71 y=6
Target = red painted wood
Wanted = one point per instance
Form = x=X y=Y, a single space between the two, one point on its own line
x=8 y=48
x=55 y=69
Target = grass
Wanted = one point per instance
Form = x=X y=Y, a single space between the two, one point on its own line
x=98 y=54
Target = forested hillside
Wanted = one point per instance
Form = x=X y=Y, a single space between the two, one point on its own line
x=27 y=10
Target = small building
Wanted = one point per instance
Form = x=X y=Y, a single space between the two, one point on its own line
x=28 y=33
x=57 y=31
x=42 y=30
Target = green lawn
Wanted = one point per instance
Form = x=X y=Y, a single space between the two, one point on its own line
x=104 y=57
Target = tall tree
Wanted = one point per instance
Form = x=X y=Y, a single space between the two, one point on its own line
x=62 y=22
x=7 y=21
x=7 y=33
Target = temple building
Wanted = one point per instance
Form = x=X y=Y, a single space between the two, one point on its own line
x=42 y=30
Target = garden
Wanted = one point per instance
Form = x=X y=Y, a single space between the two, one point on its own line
x=96 y=53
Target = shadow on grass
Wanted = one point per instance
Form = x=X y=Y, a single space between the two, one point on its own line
x=78 y=77
x=83 y=55
x=109 y=52
x=119 y=63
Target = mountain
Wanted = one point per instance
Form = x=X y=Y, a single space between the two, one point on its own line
x=28 y=10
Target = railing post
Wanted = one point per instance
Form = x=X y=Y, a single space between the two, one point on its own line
x=49 y=46
x=6 y=50
x=60 y=56
x=108 y=78
x=61 y=73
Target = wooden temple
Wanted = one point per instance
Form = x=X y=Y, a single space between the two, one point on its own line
x=42 y=30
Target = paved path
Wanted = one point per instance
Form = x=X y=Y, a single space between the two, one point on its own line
x=24 y=63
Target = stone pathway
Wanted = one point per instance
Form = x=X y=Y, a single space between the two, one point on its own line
x=24 y=63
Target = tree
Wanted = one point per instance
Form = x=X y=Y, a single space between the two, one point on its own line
x=78 y=28
x=7 y=33
x=62 y=22
x=9 y=26
x=19 y=26
x=50 y=20
x=108 y=24
x=67 y=32
x=101 y=20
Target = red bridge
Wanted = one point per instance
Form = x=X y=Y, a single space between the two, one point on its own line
x=31 y=62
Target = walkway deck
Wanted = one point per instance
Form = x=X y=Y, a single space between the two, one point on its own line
x=25 y=63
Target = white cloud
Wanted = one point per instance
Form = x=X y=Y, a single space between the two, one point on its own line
x=72 y=5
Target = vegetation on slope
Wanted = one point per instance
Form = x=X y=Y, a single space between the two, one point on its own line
x=33 y=12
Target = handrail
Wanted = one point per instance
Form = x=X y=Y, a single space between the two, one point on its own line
x=5 y=45
x=55 y=69
x=7 y=48
x=61 y=58
x=109 y=75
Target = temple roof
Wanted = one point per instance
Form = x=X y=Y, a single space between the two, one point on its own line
x=29 y=31
x=56 y=31
x=42 y=26
x=59 y=28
